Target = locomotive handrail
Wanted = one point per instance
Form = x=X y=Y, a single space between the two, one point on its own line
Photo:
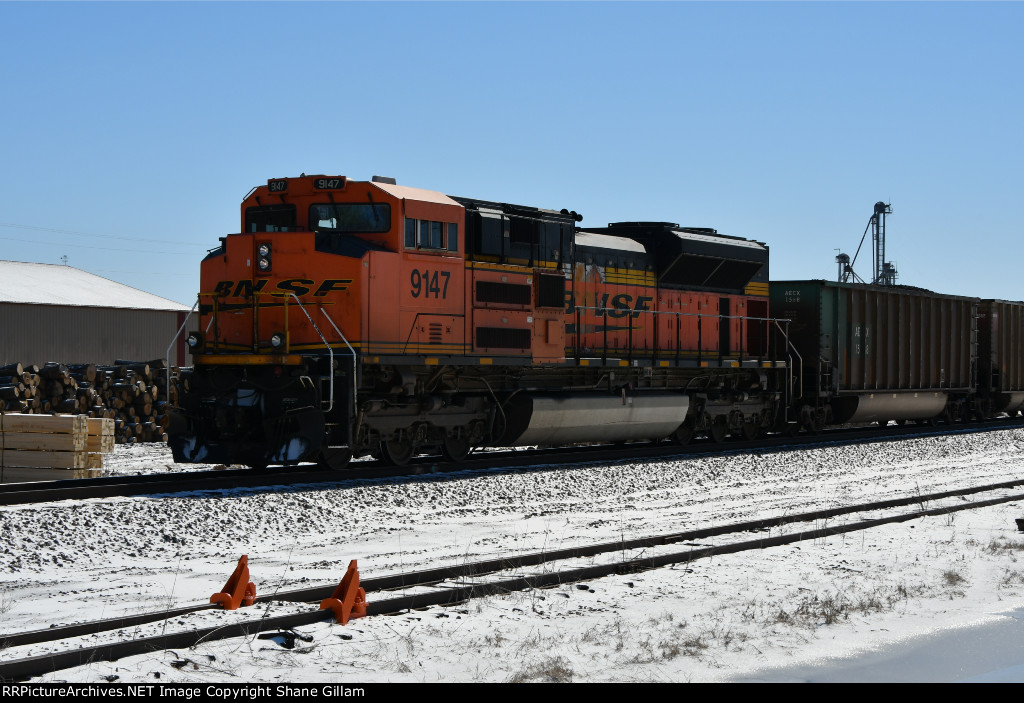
x=602 y=312
x=330 y=351
x=683 y=314
x=776 y=321
x=213 y=317
x=789 y=344
x=352 y=410
x=174 y=339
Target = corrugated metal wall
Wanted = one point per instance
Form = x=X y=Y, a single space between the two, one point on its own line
x=36 y=334
x=1001 y=349
x=894 y=338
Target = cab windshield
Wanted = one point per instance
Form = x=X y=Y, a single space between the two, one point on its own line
x=270 y=218
x=350 y=217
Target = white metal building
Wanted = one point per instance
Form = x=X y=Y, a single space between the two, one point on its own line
x=50 y=312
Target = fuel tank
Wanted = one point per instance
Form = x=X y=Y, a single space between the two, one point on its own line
x=567 y=418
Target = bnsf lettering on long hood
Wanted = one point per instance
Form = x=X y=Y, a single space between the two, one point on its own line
x=619 y=305
x=300 y=286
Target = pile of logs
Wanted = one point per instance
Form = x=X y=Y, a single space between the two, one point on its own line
x=54 y=441
x=132 y=394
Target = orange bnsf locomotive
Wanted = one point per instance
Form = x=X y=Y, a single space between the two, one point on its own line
x=357 y=318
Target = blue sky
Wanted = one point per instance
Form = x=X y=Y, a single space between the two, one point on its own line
x=131 y=131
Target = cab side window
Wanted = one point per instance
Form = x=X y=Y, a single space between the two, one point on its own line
x=428 y=235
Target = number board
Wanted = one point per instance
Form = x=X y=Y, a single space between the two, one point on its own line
x=277 y=186
x=329 y=183
x=430 y=283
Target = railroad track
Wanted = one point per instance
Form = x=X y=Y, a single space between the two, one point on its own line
x=149 y=484
x=455 y=584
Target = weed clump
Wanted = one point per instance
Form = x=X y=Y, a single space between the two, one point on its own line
x=550 y=670
x=952 y=577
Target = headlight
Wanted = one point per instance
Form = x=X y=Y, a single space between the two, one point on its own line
x=277 y=340
x=194 y=341
x=264 y=256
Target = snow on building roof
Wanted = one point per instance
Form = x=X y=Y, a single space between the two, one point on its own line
x=53 y=284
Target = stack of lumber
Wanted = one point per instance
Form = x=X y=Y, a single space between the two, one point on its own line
x=44 y=441
x=54 y=441
x=99 y=440
x=132 y=394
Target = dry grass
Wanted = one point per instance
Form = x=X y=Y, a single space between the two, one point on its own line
x=952 y=577
x=1005 y=546
x=550 y=670
x=830 y=607
x=827 y=609
x=1011 y=578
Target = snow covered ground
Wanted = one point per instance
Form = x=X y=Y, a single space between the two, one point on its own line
x=830 y=609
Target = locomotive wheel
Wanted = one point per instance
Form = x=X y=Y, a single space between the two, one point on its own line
x=334 y=459
x=718 y=432
x=810 y=419
x=683 y=435
x=455 y=450
x=396 y=453
x=750 y=431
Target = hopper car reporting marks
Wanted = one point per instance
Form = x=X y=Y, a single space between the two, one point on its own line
x=354 y=318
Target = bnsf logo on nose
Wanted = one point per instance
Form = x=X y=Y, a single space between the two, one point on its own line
x=298 y=286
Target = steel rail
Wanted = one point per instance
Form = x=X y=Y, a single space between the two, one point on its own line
x=34 y=666
x=219 y=480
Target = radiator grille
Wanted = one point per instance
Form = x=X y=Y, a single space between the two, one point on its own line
x=506 y=293
x=550 y=291
x=502 y=338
